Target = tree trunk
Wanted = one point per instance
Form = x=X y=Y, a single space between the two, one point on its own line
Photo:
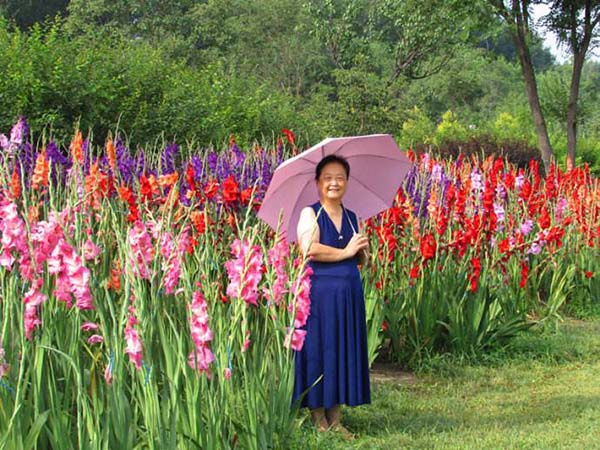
x=578 y=60
x=534 y=99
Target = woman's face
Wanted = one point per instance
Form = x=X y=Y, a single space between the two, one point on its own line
x=332 y=182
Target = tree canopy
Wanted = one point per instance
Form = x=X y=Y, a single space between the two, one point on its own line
x=205 y=69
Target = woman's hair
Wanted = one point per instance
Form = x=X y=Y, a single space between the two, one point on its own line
x=332 y=159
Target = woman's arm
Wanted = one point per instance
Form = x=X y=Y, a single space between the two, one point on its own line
x=308 y=238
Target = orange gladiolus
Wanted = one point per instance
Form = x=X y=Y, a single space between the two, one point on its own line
x=15 y=183
x=168 y=180
x=40 y=172
x=111 y=154
x=77 y=148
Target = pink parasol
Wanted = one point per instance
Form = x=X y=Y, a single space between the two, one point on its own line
x=377 y=168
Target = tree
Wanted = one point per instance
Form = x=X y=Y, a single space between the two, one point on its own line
x=575 y=22
x=423 y=36
x=25 y=13
x=516 y=15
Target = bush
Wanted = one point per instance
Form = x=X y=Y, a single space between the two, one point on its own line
x=103 y=82
x=515 y=151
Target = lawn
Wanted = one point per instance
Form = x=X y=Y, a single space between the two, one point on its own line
x=542 y=392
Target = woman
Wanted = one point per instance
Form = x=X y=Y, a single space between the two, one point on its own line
x=333 y=363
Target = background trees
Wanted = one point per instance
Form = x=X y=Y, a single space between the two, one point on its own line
x=205 y=69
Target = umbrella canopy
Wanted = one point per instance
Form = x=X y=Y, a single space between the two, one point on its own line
x=377 y=168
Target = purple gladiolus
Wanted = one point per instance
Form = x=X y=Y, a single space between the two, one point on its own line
x=212 y=161
x=18 y=135
x=140 y=163
x=526 y=227
x=125 y=162
x=239 y=156
x=476 y=181
x=198 y=167
x=167 y=159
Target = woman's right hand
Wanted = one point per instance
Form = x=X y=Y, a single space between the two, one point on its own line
x=357 y=243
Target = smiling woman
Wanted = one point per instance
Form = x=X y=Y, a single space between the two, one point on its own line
x=332 y=367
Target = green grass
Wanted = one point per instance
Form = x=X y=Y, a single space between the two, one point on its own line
x=542 y=392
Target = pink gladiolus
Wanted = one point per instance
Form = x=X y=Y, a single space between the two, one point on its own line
x=295 y=339
x=244 y=271
x=300 y=306
x=142 y=251
x=132 y=339
x=301 y=301
x=45 y=235
x=33 y=298
x=89 y=326
x=172 y=264
x=72 y=277
x=14 y=235
x=202 y=356
x=246 y=345
x=95 y=339
x=227 y=373
x=90 y=250
x=277 y=257
x=108 y=373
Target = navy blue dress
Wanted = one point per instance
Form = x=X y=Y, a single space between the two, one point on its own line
x=336 y=332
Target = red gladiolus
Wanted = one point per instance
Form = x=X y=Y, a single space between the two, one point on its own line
x=145 y=188
x=544 y=220
x=231 y=190
x=198 y=218
x=414 y=272
x=589 y=274
x=524 y=273
x=189 y=175
x=428 y=246
x=210 y=189
x=474 y=275
x=289 y=135
x=504 y=245
x=246 y=196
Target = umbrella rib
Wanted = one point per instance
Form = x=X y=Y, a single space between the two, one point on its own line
x=378 y=156
x=366 y=188
x=298 y=174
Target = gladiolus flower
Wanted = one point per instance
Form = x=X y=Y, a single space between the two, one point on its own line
x=474 y=275
x=246 y=345
x=277 y=257
x=428 y=246
x=141 y=250
x=33 y=298
x=95 y=339
x=231 y=190
x=295 y=339
x=244 y=271
x=133 y=342
x=524 y=273
x=526 y=227
x=414 y=272
x=89 y=326
x=90 y=250
x=202 y=356
x=589 y=274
